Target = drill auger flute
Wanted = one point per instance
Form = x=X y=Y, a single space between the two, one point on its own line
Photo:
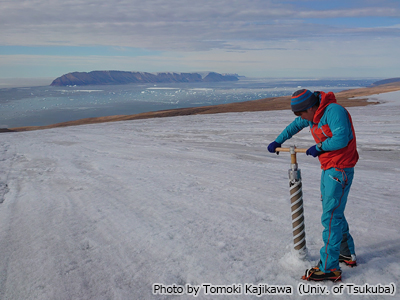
x=296 y=200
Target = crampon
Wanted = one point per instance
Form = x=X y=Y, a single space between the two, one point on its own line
x=315 y=274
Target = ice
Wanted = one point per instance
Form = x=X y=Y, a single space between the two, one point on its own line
x=23 y=106
x=105 y=211
x=162 y=88
x=79 y=91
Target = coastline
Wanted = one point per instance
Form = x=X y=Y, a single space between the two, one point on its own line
x=347 y=98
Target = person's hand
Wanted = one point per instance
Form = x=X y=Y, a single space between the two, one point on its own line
x=313 y=151
x=273 y=146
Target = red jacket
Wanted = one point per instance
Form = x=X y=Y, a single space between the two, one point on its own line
x=332 y=126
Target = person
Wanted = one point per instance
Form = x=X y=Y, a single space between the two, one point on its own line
x=332 y=128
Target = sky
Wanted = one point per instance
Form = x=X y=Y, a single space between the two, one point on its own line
x=253 y=38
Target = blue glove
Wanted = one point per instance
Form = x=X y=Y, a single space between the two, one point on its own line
x=273 y=146
x=313 y=151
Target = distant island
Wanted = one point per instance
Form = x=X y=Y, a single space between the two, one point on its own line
x=124 y=77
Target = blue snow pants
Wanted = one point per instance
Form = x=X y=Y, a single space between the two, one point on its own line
x=335 y=187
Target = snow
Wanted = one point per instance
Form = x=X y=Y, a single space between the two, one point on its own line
x=105 y=211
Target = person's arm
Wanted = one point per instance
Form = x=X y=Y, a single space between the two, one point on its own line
x=296 y=126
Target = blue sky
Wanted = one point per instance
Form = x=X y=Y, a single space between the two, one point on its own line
x=254 y=38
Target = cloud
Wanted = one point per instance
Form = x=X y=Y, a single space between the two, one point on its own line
x=252 y=37
x=289 y=58
x=351 y=13
x=170 y=25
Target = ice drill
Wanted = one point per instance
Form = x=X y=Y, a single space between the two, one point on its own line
x=296 y=200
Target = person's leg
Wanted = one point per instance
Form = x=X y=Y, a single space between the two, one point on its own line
x=347 y=246
x=335 y=187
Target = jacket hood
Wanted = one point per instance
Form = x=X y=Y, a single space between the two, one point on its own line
x=326 y=99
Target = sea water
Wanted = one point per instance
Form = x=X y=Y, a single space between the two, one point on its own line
x=45 y=105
